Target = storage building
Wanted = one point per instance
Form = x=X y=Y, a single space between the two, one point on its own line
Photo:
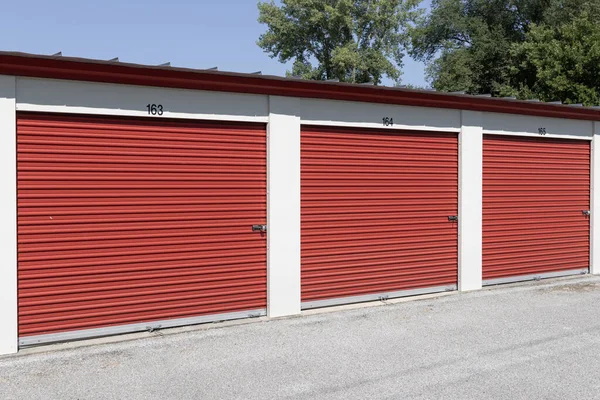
x=144 y=197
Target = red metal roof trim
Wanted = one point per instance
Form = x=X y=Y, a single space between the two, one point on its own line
x=21 y=64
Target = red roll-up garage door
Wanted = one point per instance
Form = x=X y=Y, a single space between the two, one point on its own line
x=129 y=221
x=535 y=193
x=375 y=208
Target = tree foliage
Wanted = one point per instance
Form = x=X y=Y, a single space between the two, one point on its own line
x=563 y=61
x=350 y=40
x=547 y=49
x=466 y=42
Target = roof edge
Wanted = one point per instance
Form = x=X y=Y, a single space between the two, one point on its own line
x=37 y=66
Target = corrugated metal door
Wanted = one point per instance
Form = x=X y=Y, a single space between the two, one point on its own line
x=535 y=192
x=375 y=208
x=122 y=221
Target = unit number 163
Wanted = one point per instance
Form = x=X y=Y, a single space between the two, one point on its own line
x=155 y=109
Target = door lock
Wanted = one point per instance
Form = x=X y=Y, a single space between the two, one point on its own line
x=587 y=213
x=259 y=228
x=453 y=218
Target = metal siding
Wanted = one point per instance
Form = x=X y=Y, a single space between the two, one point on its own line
x=534 y=192
x=123 y=221
x=375 y=207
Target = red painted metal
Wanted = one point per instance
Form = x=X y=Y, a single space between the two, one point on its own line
x=30 y=65
x=375 y=208
x=133 y=220
x=534 y=192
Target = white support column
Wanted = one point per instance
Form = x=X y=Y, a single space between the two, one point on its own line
x=470 y=199
x=283 y=216
x=595 y=203
x=8 y=216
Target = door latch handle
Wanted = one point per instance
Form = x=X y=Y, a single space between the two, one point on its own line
x=259 y=228
x=587 y=213
x=453 y=218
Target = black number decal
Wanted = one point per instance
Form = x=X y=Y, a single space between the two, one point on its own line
x=155 y=109
x=387 y=121
x=542 y=131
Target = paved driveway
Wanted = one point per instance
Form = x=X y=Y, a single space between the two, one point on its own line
x=532 y=341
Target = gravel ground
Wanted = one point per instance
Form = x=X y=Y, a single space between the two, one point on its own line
x=530 y=341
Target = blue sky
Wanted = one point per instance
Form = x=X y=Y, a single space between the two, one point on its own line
x=188 y=33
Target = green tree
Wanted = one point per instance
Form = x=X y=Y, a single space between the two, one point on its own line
x=467 y=43
x=546 y=49
x=563 y=57
x=350 y=40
